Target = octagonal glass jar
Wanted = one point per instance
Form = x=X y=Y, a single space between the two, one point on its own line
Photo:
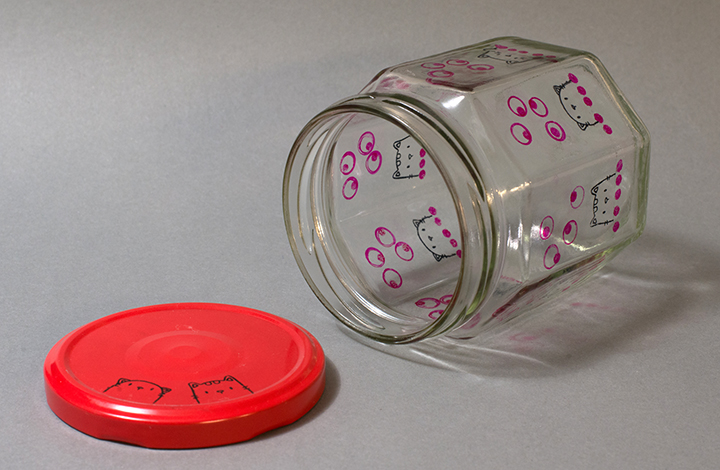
x=456 y=192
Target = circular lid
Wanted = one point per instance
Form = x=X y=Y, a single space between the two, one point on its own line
x=184 y=375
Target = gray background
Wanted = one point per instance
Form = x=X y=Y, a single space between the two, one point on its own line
x=142 y=147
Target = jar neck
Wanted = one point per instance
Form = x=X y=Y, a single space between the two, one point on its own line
x=323 y=256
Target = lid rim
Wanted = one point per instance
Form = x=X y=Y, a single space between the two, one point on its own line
x=159 y=425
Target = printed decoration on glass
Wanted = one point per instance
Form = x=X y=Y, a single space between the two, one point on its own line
x=512 y=55
x=390 y=246
x=349 y=163
x=138 y=391
x=578 y=104
x=606 y=199
x=436 y=306
x=393 y=82
x=454 y=70
x=605 y=210
x=435 y=237
x=530 y=111
x=409 y=159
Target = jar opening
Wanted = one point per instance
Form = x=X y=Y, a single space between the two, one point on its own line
x=387 y=238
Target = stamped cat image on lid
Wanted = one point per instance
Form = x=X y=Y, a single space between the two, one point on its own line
x=187 y=375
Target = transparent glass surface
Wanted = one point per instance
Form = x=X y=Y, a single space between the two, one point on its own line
x=458 y=191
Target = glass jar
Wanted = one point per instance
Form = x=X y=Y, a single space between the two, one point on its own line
x=458 y=191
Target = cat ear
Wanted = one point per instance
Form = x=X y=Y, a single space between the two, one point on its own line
x=230 y=378
x=417 y=222
x=558 y=89
x=122 y=381
x=397 y=144
x=396 y=175
x=194 y=384
x=438 y=257
x=165 y=390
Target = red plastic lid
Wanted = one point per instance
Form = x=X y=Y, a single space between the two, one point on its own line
x=184 y=375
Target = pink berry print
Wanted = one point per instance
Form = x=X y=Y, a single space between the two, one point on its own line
x=457 y=62
x=570 y=232
x=441 y=74
x=598 y=118
x=581 y=90
x=384 y=237
x=373 y=162
x=438 y=222
x=446 y=233
x=619 y=166
x=521 y=134
x=446 y=299
x=480 y=67
x=572 y=78
x=350 y=188
x=587 y=101
x=538 y=107
x=432 y=210
x=517 y=106
x=618 y=180
x=607 y=129
x=432 y=65
x=546 y=227
x=366 y=143
x=616 y=211
x=347 y=163
x=618 y=193
x=577 y=196
x=520 y=131
x=392 y=278
x=375 y=257
x=435 y=314
x=427 y=302
x=555 y=130
x=616 y=226
x=403 y=251
x=552 y=256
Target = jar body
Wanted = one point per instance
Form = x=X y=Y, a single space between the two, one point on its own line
x=457 y=191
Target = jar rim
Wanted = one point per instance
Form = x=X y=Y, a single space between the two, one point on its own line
x=312 y=245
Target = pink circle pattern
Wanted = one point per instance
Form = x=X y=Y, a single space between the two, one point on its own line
x=570 y=231
x=366 y=147
x=520 y=132
x=438 y=73
x=376 y=258
x=431 y=303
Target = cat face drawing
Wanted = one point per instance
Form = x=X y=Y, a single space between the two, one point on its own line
x=508 y=55
x=218 y=390
x=436 y=238
x=605 y=196
x=138 y=391
x=409 y=159
x=576 y=103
